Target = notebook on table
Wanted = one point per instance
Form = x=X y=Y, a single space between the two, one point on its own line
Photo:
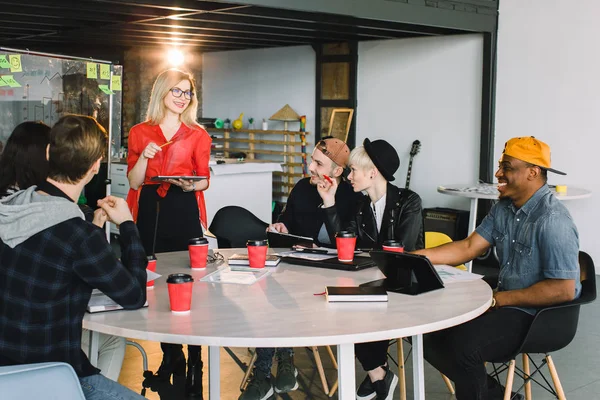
x=100 y=302
x=359 y=262
x=243 y=260
x=355 y=293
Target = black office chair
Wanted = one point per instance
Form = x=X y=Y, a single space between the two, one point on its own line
x=233 y=226
x=561 y=320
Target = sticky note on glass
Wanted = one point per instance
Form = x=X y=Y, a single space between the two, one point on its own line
x=15 y=63
x=10 y=81
x=2 y=83
x=92 y=71
x=116 y=82
x=4 y=63
x=104 y=71
x=105 y=89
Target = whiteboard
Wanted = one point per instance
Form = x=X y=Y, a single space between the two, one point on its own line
x=43 y=88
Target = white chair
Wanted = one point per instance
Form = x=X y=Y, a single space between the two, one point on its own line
x=50 y=381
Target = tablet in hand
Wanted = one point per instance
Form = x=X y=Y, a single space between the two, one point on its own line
x=189 y=178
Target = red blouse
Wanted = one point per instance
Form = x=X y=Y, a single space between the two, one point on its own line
x=187 y=154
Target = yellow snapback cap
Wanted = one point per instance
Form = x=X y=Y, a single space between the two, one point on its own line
x=530 y=150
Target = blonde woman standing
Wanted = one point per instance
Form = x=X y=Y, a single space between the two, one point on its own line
x=169 y=213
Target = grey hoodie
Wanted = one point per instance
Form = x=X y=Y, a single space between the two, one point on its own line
x=26 y=213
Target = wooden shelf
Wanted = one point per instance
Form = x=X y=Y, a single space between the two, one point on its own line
x=254 y=131
x=287 y=149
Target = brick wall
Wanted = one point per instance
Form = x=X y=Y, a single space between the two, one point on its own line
x=141 y=66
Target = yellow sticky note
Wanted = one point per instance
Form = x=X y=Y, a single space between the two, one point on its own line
x=15 y=63
x=4 y=63
x=104 y=71
x=10 y=81
x=116 y=82
x=92 y=71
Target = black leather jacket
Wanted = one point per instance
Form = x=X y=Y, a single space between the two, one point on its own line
x=402 y=221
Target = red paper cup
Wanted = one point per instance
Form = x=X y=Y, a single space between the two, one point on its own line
x=198 y=250
x=392 y=245
x=152 y=267
x=345 y=242
x=257 y=252
x=180 y=292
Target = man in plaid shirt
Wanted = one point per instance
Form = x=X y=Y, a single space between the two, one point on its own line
x=51 y=259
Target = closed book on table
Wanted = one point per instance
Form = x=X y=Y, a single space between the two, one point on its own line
x=242 y=260
x=355 y=293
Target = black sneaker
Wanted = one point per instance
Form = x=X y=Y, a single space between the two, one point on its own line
x=386 y=386
x=366 y=391
x=496 y=391
x=286 y=374
x=259 y=387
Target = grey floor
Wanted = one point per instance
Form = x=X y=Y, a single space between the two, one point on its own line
x=577 y=366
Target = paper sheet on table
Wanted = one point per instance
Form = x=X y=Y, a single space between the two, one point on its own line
x=152 y=275
x=226 y=275
x=451 y=274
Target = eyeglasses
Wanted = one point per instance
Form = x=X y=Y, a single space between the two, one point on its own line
x=215 y=258
x=176 y=92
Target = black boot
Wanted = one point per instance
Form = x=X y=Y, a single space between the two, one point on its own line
x=193 y=382
x=173 y=362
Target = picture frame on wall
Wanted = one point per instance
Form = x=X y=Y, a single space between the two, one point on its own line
x=339 y=123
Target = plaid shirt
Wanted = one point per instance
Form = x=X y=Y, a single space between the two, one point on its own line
x=46 y=283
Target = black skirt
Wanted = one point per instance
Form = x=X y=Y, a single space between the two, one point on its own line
x=175 y=219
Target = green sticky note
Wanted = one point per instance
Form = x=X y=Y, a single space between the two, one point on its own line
x=104 y=71
x=105 y=89
x=15 y=63
x=4 y=63
x=2 y=83
x=92 y=71
x=116 y=82
x=10 y=81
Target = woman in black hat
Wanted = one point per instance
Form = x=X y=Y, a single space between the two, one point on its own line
x=386 y=212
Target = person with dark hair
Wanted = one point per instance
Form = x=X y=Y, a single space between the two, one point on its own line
x=170 y=213
x=52 y=259
x=385 y=213
x=24 y=164
x=303 y=215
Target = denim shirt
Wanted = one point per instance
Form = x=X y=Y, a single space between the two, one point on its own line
x=535 y=242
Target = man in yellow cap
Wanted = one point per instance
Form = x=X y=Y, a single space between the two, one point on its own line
x=537 y=245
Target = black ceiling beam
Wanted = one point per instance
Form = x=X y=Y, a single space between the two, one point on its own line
x=172 y=5
x=258 y=21
x=479 y=17
x=341 y=20
x=254 y=31
x=215 y=36
x=42 y=7
x=125 y=42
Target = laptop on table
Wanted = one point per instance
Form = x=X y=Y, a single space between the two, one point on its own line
x=359 y=262
x=405 y=273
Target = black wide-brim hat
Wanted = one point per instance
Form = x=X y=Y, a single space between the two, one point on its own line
x=384 y=156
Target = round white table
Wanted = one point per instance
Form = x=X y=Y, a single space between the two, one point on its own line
x=488 y=191
x=282 y=310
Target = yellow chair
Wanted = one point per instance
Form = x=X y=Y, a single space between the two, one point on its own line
x=434 y=239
